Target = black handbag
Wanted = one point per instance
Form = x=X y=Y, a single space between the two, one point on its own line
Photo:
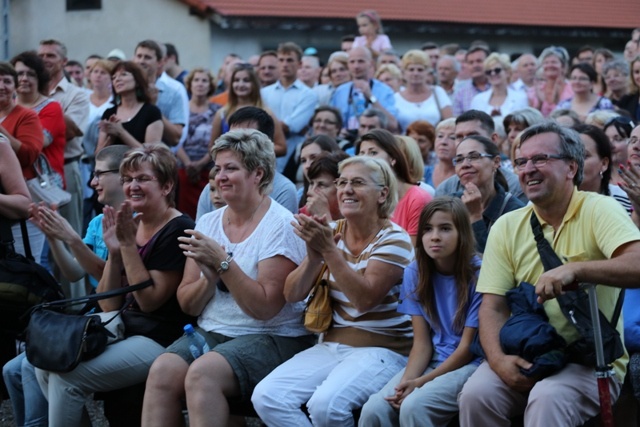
x=23 y=282
x=58 y=342
x=575 y=307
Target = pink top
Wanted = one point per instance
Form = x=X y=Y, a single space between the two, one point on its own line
x=546 y=108
x=381 y=43
x=407 y=213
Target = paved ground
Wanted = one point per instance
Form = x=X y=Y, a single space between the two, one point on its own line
x=95 y=410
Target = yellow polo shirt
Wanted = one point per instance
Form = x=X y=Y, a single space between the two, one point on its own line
x=592 y=229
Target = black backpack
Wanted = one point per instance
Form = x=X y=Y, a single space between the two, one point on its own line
x=23 y=282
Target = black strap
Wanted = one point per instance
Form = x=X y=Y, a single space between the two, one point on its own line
x=96 y=297
x=550 y=261
x=6 y=237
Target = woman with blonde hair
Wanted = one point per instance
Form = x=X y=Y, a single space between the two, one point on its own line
x=411 y=151
x=500 y=100
x=419 y=100
x=445 y=149
x=338 y=69
x=631 y=101
x=390 y=75
x=244 y=91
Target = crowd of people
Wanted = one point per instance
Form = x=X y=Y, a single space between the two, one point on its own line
x=408 y=183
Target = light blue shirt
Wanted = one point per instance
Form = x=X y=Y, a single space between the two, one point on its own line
x=343 y=98
x=173 y=102
x=294 y=106
x=93 y=239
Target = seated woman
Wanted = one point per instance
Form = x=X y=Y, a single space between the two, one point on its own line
x=597 y=165
x=382 y=144
x=238 y=259
x=134 y=120
x=584 y=101
x=390 y=75
x=321 y=195
x=143 y=250
x=424 y=134
x=553 y=86
x=618 y=129
x=485 y=194
x=309 y=150
x=411 y=151
x=368 y=340
x=515 y=123
x=500 y=100
x=438 y=292
x=444 y=150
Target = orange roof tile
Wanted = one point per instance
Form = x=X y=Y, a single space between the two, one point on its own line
x=562 y=13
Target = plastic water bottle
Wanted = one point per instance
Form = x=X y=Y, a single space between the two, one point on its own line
x=197 y=345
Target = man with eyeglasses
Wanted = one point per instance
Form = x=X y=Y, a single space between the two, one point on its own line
x=474 y=122
x=598 y=243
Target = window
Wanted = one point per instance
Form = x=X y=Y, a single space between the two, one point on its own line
x=84 y=5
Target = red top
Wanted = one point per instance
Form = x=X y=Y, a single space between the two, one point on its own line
x=24 y=125
x=52 y=120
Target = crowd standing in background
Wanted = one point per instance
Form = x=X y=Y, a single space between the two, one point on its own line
x=406 y=179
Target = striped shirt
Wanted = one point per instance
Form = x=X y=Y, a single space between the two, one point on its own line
x=382 y=326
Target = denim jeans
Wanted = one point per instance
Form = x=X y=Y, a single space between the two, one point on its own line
x=30 y=408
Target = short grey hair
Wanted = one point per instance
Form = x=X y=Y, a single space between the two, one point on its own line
x=382 y=174
x=617 y=64
x=454 y=61
x=571 y=145
x=374 y=112
x=255 y=150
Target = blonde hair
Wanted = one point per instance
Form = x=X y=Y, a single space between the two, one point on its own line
x=415 y=56
x=500 y=58
x=411 y=151
x=391 y=69
x=382 y=174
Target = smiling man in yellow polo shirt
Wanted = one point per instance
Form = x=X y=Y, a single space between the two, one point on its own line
x=598 y=243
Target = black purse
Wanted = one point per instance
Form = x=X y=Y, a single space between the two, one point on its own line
x=575 y=307
x=23 y=282
x=58 y=342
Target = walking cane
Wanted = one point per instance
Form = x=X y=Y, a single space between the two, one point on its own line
x=603 y=371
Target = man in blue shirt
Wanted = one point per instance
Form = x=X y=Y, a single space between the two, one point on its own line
x=290 y=99
x=363 y=92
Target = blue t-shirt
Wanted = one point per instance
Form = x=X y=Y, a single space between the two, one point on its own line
x=445 y=340
x=94 y=240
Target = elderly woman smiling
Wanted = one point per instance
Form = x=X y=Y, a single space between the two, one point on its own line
x=238 y=259
x=368 y=339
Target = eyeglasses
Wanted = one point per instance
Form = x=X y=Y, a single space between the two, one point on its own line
x=355 y=183
x=98 y=174
x=142 y=179
x=538 y=160
x=473 y=157
x=242 y=66
x=493 y=71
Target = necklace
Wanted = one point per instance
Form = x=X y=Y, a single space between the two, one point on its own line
x=245 y=232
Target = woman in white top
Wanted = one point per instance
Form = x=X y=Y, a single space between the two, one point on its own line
x=237 y=261
x=500 y=100
x=419 y=100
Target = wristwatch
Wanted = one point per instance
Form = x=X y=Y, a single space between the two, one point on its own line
x=373 y=99
x=224 y=265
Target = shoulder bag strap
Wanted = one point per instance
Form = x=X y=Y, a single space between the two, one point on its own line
x=548 y=256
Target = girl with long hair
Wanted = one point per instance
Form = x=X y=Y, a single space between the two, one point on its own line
x=438 y=292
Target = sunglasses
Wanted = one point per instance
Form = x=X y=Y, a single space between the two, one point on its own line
x=493 y=71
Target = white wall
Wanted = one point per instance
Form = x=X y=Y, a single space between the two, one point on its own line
x=119 y=24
